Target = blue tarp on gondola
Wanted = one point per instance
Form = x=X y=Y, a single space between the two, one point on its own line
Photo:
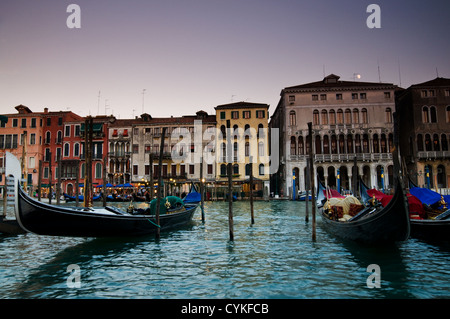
x=427 y=196
x=193 y=197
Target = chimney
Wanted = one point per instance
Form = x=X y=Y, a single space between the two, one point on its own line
x=45 y=109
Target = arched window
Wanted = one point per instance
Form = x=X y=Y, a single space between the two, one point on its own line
x=425 y=115
x=293 y=146
x=223 y=130
x=433 y=115
x=235 y=151
x=448 y=113
x=332 y=116
x=247 y=149
x=223 y=169
x=340 y=117
x=76 y=150
x=292 y=118
x=350 y=144
x=364 y=118
x=436 y=145
x=316 y=117
x=66 y=150
x=355 y=116
x=260 y=132
x=261 y=169
x=358 y=143
x=326 y=145
x=365 y=143
x=342 y=144
x=224 y=152
x=247 y=169
x=236 y=169
x=388 y=115
x=348 y=116
x=47 y=137
x=324 y=117
x=444 y=142
x=376 y=145
x=383 y=143
x=301 y=150
x=318 y=145
x=261 y=149
x=333 y=144
x=428 y=143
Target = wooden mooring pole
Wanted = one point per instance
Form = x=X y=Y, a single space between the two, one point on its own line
x=252 y=214
x=311 y=171
x=158 y=195
x=230 y=201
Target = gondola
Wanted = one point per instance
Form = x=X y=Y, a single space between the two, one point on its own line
x=69 y=198
x=372 y=225
x=193 y=197
x=45 y=219
x=434 y=224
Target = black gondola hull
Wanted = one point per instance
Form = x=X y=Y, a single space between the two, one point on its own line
x=388 y=224
x=438 y=230
x=44 y=219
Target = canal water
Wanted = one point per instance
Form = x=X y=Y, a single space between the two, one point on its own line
x=274 y=258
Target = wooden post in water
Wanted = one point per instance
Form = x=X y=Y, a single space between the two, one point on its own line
x=50 y=174
x=39 y=179
x=77 y=185
x=202 y=191
x=88 y=162
x=158 y=196
x=308 y=185
x=311 y=170
x=58 y=186
x=230 y=201
x=104 y=180
x=150 y=172
x=251 y=192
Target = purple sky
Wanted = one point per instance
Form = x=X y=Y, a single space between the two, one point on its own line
x=197 y=54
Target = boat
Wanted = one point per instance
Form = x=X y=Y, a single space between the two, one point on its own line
x=193 y=196
x=302 y=196
x=69 y=198
x=425 y=222
x=373 y=224
x=434 y=223
x=44 y=219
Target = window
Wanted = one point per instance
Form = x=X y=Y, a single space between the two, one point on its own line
x=363 y=96
x=354 y=96
x=234 y=115
x=293 y=146
x=387 y=95
x=315 y=97
x=323 y=97
x=292 y=118
x=447 y=92
x=222 y=115
x=115 y=133
x=248 y=168
x=355 y=116
x=324 y=117
x=247 y=149
x=260 y=114
x=424 y=93
x=236 y=169
x=332 y=116
x=261 y=169
x=291 y=98
x=98 y=170
x=59 y=137
x=76 y=150
x=425 y=115
x=24 y=123
x=448 y=113
x=364 y=117
x=135 y=148
x=77 y=130
x=261 y=149
x=340 y=117
x=147 y=148
x=49 y=121
x=433 y=116
x=66 y=149
x=209 y=169
x=348 y=116
x=32 y=138
x=338 y=96
x=67 y=131
x=223 y=170
x=46 y=172
x=135 y=170
x=15 y=122
x=60 y=121
x=33 y=123
x=246 y=114
x=191 y=169
x=316 y=117
x=31 y=162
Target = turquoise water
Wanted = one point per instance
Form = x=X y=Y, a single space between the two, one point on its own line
x=274 y=258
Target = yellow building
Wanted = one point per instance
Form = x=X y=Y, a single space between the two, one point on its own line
x=243 y=141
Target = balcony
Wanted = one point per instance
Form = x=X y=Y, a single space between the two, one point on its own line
x=433 y=155
x=321 y=158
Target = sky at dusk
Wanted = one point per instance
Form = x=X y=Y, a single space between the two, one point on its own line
x=192 y=55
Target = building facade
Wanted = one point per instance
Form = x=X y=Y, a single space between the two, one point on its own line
x=425 y=132
x=243 y=140
x=351 y=121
